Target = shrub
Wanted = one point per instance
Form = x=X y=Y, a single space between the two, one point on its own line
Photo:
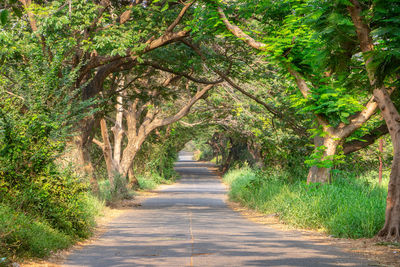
x=119 y=192
x=27 y=236
x=60 y=198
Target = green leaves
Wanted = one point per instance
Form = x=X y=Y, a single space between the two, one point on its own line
x=334 y=103
x=166 y=6
x=318 y=159
x=3 y=16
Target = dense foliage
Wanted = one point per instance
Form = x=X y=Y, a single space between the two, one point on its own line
x=43 y=207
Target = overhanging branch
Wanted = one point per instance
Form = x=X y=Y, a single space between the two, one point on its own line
x=368 y=139
x=187 y=76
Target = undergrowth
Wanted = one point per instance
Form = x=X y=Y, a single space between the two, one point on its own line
x=349 y=207
x=150 y=181
x=119 y=192
x=37 y=221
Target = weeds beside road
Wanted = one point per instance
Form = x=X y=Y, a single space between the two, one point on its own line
x=351 y=208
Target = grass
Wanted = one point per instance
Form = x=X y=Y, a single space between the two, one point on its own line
x=351 y=208
x=120 y=191
x=152 y=180
x=25 y=235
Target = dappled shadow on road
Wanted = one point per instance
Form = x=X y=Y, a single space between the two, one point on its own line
x=164 y=240
x=189 y=224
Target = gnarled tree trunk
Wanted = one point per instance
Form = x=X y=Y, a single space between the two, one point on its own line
x=129 y=153
x=321 y=174
x=391 y=229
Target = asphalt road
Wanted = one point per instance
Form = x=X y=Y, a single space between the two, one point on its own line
x=189 y=224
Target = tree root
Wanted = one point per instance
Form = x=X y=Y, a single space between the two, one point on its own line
x=391 y=234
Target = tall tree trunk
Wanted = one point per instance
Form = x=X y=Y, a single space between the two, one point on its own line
x=226 y=163
x=391 y=229
x=389 y=112
x=320 y=174
x=107 y=152
x=255 y=152
x=85 y=164
x=129 y=153
x=118 y=129
x=380 y=160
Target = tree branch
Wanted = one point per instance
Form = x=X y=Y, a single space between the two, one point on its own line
x=32 y=22
x=14 y=95
x=104 y=5
x=235 y=30
x=183 y=111
x=187 y=76
x=368 y=139
x=301 y=84
x=359 y=119
x=180 y=16
x=99 y=143
x=187 y=124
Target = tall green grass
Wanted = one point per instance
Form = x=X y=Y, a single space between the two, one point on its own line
x=47 y=214
x=351 y=208
x=24 y=235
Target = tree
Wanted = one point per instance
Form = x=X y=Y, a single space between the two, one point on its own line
x=381 y=67
x=337 y=115
x=391 y=229
x=98 y=39
x=146 y=109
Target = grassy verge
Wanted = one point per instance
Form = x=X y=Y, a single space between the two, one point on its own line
x=152 y=180
x=49 y=213
x=351 y=208
x=24 y=235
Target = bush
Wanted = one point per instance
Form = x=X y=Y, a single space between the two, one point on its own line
x=24 y=235
x=37 y=222
x=346 y=208
x=119 y=192
x=60 y=198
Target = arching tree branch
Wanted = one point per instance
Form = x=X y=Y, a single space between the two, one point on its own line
x=187 y=76
x=368 y=139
